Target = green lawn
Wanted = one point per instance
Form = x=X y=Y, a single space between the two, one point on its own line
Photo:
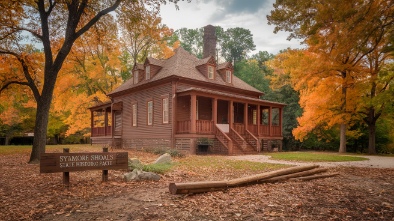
x=19 y=149
x=314 y=157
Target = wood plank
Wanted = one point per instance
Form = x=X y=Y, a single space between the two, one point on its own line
x=70 y=162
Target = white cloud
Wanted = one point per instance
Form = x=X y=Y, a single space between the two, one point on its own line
x=198 y=14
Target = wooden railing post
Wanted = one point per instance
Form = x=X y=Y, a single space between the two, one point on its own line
x=66 y=175
x=105 y=172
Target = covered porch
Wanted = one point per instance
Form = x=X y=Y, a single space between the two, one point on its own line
x=106 y=123
x=233 y=119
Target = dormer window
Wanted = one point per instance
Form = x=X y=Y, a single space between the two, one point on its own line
x=135 y=77
x=228 y=76
x=210 y=72
x=147 y=72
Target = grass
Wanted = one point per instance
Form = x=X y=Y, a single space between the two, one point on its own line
x=160 y=168
x=314 y=157
x=26 y=149
x=221 y=163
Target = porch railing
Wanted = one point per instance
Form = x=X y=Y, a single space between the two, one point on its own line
x=101 y=131
x=252 y=128
x=238 y=139
x=276 y=131
x=265 y=130
x=239 y=127
x=223 y=138
x=204 y=127
x=183 y=127
x=252 y=140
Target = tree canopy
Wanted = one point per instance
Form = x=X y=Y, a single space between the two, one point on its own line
x=347 y=42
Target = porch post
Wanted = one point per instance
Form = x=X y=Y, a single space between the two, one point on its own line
x=193 y=117
x=280 y=120
x=91 y=122
x=215 y=111
x=258 y=119
x=246 y=120
x=270 y=121
x=231 y=114
x=105 y=122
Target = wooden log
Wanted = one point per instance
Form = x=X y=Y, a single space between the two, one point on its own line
x=256 y=178
x=294 y=175
x=208 y=186
x=306 y=178
x=196 y=187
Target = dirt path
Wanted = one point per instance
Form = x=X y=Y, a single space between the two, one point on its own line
x=372 y=162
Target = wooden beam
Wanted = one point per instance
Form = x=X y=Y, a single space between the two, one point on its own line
x=208 y=186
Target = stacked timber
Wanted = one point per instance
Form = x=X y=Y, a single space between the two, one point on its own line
x=294 y=173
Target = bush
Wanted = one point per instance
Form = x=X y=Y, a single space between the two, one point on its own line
x=160 y=168
x=161 y=151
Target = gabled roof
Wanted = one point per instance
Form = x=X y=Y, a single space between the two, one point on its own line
x=224 y=65
x=183 y=64
x=139 y=66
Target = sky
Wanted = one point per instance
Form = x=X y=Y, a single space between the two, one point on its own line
x=248 y=14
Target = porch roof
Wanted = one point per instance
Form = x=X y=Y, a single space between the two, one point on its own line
x=101 y=105
x=235 y=97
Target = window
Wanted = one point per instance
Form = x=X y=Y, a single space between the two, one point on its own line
x=210 y=72
x=150 y=112
x=135 y=76
x=147 y=72
x=228 y=76
x=165 y=110
x=134 y=115
x=254 y=117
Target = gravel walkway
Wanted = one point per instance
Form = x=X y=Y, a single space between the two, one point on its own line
x=372 y=162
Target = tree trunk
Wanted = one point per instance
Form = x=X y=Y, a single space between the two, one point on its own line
x=342 y=145
x=371 y=138
x=40 y=128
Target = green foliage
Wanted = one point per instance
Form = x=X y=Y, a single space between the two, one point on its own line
x=314 y=157
x=191 y=40
x=161 y=151
x=127 y=65
x=237 y=43
x=160 y=168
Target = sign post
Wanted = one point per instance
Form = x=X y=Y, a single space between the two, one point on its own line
x=105 y=172
x=66 y=175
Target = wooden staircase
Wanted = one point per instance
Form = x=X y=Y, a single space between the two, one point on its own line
x=231 y=139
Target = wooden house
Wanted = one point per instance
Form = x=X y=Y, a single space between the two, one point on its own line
x=184 y=101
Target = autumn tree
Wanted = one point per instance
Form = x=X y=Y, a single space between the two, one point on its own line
x=55 y=25
x=91 y=71
x=342 y=34
x=142 y=33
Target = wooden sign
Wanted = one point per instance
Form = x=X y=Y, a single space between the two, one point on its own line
x=70 y=162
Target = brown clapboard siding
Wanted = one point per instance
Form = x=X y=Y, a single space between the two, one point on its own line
x=143 y=130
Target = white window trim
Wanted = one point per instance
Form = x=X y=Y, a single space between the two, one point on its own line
x=135 y=77
x=211 y=72
x=165 y=102
x=147 y=72
x=150 y=112
x=134 y=115
x=228 y=76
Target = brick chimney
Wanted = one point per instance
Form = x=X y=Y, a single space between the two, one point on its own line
x=209 y=41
